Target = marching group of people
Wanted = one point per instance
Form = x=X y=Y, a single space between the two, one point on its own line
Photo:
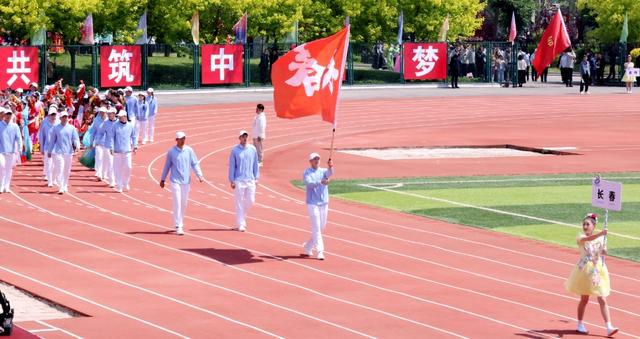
x=111 y=125
x=54 y=122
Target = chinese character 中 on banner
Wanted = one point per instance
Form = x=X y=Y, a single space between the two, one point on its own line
x=222 y=64
x=425 y=61
x=120 y=66
x=20 y=67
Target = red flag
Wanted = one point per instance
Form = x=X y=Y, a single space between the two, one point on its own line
x=306 y=80
x=555 y=39
x=513 y=30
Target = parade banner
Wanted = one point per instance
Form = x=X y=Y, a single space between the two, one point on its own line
x=120 y=66
x=425 y=61
x=20 y=67
x=222 y=64
x=606 y=194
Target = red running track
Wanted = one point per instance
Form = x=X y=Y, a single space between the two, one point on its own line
x=112 y=256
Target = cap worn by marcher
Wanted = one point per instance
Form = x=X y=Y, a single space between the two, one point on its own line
x=128 y=89
x=64 y=114
x=243 y=132
x=122 y=113
x=150 y=90
x=314 y=155
x=180 y=135
x=102 y=109
x=53 y=110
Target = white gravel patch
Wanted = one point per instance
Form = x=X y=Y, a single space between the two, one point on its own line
x=29 y=308
x=440 y=153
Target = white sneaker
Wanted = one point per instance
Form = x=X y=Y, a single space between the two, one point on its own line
x=581 y=92
x=611 y=331
x=112 y=185
x=119 y=190
x=320 y=255
x=307 y=252
x=49 y=185
x=179 y=231
x=241 y=228
x=582 y=329
x=61 y=192
x=128 y=188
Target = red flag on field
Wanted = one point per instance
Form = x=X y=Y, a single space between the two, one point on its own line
x=513 y=30
x=306 y=80
x=555 y=39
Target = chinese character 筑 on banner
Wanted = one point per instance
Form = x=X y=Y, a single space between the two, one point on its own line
x=120 y=66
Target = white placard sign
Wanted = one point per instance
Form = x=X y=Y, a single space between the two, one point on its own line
x=633 y=72
x=606 y=194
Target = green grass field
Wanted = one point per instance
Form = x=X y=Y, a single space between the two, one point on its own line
x=508 y=204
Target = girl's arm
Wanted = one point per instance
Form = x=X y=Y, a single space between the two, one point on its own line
x=584 y=239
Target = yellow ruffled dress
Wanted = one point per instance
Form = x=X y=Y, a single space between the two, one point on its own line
x=590 y=275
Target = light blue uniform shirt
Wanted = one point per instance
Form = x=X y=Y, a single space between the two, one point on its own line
x=130 y=105
x=10 y=137
x=64 y=139
x=44 y=134
x=153 y=105
x=180 y=162
x=317 y=193
x=100 y=135
x=122 y=137
x=142 y=111
x=243 y=163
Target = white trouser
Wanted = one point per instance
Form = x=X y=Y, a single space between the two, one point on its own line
x=107 y=165
x=62 y=170
x=142 y=130
x=6 y=170
x=245 y=194
x=48 y=167
x=318 y=216
x=152 y=127
x=180 y=197
x=122 y=169
x=99 y=157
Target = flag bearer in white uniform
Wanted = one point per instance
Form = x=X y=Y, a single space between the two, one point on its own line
x=316 y=181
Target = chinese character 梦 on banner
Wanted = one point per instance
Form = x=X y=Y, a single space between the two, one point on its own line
x=120 y=66
x=222 y=64
x=425 y=61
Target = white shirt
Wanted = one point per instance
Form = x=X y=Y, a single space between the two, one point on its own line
x=260 y=126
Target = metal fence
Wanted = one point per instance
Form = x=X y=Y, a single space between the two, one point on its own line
x=176 y=66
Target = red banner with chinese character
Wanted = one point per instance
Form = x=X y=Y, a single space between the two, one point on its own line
x=120 y=66
x=222 y=64
x=425 y=61
x=306 y=80
x=20 y=67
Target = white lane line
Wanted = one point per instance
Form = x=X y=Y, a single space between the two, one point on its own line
x=55 y=328
x=486 y=181
x=121 y=282
x=185 y=276
x=493 y=210
x=110 y=309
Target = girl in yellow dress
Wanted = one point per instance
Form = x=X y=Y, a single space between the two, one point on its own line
x=590 y=276
x=628 y=80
